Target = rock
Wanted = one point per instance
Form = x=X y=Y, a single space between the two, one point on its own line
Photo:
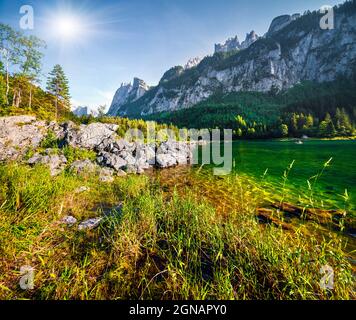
x=127 y=93
x=171 y=153
x=121 y=173
x=111 y=160
x=250 y=39
x=129 y=158
x=81 y=111
x=288 y=54
x=21 y=133
x=81 y=189
x=106 y=175
x=83 y=166
x=280 y=22
x=69 y=220
x=56 y=163
x=90 y=224
x=140 y=171
x=90 y=136
x=166 y=160
x=18 y=134
x=229 y=45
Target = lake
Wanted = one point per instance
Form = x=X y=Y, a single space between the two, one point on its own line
x=253 y=158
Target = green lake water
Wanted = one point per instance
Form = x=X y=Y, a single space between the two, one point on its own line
x=253 y=158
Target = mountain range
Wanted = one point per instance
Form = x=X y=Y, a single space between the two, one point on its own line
x=295 y=49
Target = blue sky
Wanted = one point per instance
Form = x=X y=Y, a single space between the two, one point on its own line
x=119 y=40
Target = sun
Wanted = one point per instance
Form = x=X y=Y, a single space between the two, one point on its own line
x=67 y=27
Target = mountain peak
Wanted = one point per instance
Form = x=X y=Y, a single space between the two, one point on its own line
x=127 y=93
x=282 y=21
x=229 y=45
x=192 y=62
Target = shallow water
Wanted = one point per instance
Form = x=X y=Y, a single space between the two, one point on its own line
x=253 y=158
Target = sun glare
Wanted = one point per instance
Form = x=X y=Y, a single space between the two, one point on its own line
x=67 y=27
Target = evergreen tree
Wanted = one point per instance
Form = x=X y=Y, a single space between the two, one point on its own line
x=283 y=130
x=57 y=84
x=343 y=123
x=326 y=127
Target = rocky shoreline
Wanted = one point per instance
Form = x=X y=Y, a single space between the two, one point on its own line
x=114 y=155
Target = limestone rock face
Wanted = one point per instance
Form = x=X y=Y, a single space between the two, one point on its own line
x=229 y=45
x=294 y=49
x=280 y=22
x=192 y=63
x=127 y=93
x=81 y=111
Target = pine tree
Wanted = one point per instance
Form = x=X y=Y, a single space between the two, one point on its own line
x=326 y=127
x=343 y=123
x=57 y=84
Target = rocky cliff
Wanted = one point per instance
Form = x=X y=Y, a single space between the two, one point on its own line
x=294 y=49
x=81 y=111
x=127 y=93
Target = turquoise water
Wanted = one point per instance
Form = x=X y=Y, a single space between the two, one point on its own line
x=253 y=158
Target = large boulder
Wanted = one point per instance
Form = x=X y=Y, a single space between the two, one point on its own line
x=56 y=163
x=166 y=160
x=18 y=134
x=171 y=153
x=111 y=160
x=90 y=136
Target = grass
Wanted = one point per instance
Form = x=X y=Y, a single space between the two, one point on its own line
x=162 y=245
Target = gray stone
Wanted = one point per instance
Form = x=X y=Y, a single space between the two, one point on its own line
x=56 y=163
x=90 y=223
x=121 y=173
x=166 y=160
x=81 y=189
x=18 y=134
x=111 y=160
x=92 y=135
x=83 y=166
x=69 y=220
x=106 y=175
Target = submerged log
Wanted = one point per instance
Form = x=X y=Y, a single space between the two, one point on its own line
x=318 y=215
x=266 y=216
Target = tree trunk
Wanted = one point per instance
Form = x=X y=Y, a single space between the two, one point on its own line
x=7 y=83
x=17 y=98
x=56 y=107
x=30 y=98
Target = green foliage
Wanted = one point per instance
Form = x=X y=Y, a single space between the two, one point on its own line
x=255 y=114
x=283 y=130
x=57 y=85
x=50 y=141
x=74 y=154
x=176 y=247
